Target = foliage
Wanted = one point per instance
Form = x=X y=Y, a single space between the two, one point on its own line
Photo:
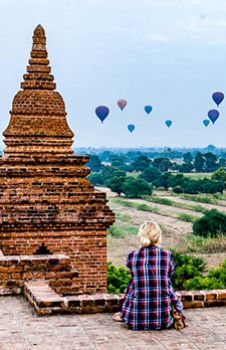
x=188 y=271
x=141 y=163
x=96 y=179
x=120 y=231
x=187 y=217
x=186 y=267
x=117 y=278
x=200 y=198
x=94 y=163
x=135 y=187
x=211 y=224
x=177 y=189
x=169 y=202
x=162 y=181
x=109 y=172
x=216 y=279
x=116 y=184
x=197 y=244
x=187 y=157
x=219 y=175
x=150 y=174
x=163 y=164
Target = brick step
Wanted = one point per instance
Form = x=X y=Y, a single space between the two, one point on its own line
x=46 y=301
x=55 y=268
x=43 y=298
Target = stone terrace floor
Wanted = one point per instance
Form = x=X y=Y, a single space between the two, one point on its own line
x=20 y=329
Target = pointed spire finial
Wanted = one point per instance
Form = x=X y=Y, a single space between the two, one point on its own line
x=38 y=72
x=39 y=43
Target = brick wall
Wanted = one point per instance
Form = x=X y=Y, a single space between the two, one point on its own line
x=45 y=198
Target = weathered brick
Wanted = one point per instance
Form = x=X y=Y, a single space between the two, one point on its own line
x=47 y=204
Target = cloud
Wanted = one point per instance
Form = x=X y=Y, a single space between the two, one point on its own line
x=158 y=38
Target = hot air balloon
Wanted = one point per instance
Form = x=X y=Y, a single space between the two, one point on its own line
x=168 y=123
x=122 y=104
x=131 y=127
x=213 y=114
x=218 y=97
x=148 y=109
x=206 y=122
x=102 y=112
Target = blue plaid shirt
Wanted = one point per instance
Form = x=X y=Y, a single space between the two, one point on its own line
x=150 y=294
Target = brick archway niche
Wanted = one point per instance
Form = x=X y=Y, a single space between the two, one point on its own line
x=53 y=223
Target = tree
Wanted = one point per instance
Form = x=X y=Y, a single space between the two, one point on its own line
x=94 y=163
x=186 y=168
x=150 y=174
x=199 y=162
x=163 y=164
x=210 y=186
x=109 y=172
x=219 y=175
x=141 y=163
x=96 y=179
x=116 y=184
x=119 y=162
x=211 y=224
x=187 y=157
x=210 y=162
x=192 y=186
x=176 y=180
x=222 y=162
x=135 y=187
x=162 y=181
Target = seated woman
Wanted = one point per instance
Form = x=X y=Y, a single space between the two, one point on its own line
x=150 y=295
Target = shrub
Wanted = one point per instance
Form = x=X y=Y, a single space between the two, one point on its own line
x=211 y=224
x=206 y=244
x=136 y=188
x=150 y=174
x=216 y=279
x=117 y=278
x=119 y=231
x=186 y=217
x=177 y=189
x=116 y=184
x=96 y=178
x=186 y=267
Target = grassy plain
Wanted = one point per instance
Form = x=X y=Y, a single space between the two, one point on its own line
x=175 y=214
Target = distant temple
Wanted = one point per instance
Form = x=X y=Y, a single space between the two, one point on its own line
x=53 y=223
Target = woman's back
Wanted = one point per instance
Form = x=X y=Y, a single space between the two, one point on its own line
x=150 y=294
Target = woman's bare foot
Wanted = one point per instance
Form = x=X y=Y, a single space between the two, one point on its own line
x=117 y=317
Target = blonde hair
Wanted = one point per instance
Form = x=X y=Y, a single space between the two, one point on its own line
x=150 y=233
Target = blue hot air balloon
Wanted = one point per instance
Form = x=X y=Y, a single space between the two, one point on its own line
x=218 y=97
x=213 y=114
x=148 y=109
x=206 y=122
x=102 y=112
x=168 y=123
x=131 y=127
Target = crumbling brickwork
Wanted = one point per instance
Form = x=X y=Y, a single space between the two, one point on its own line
x=45 y=198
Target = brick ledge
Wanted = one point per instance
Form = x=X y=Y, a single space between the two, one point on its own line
x=46 y=302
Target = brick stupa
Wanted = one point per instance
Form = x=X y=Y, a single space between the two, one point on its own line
x=47 y=206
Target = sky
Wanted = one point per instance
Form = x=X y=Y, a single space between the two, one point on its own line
x=170 y=54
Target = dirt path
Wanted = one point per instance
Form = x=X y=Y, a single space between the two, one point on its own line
x=174 y=229
x=174 y=235
x=170 y=210
x=165 y=194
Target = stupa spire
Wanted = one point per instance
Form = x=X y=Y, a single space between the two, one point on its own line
x=38 y=72
x=38 y=122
